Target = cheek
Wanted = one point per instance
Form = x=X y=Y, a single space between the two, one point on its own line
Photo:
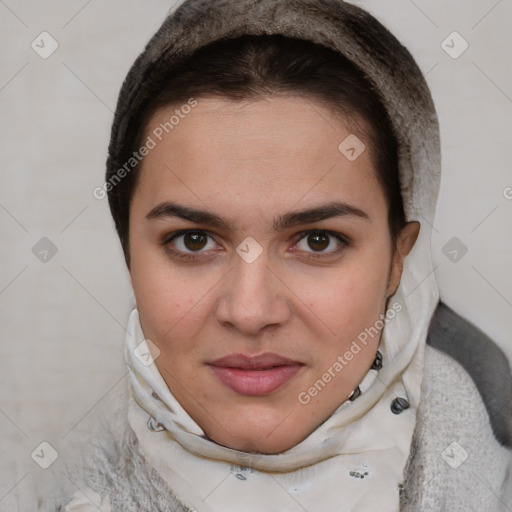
x=168 y=302
x=346 y=300
x=351 y=307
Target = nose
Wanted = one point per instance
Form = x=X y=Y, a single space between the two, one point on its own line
x=253 y=297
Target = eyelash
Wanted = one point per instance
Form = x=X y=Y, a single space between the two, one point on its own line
x=344 y=242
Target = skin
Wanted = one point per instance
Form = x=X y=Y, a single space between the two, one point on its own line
x=249 y=163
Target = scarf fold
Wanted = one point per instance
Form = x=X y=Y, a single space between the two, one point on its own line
x=355 y=458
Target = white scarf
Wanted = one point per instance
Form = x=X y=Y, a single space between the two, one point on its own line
x=354 y=461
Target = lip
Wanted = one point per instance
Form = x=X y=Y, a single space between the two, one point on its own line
x=255 y=375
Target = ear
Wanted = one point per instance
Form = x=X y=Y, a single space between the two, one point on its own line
x=404 y=244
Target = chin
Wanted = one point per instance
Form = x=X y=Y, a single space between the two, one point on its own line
x=257 y=439
x=260 y=446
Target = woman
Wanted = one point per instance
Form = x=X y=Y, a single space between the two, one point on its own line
x=273 y=173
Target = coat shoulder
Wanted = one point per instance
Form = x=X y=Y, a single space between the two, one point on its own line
x=484 y=362
x=456 y=461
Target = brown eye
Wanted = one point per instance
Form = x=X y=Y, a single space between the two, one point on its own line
x=322 y=243
x=195 y=241
x=318 y=241
x=188 y=244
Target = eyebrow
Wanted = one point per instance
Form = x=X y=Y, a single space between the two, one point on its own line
x=318 y=213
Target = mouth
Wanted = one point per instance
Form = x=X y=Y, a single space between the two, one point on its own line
x=255 y=375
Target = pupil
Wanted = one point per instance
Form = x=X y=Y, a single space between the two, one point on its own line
x=194 y=241
x=316 y=243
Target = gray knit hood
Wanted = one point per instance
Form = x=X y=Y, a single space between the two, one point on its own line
x=336 y=24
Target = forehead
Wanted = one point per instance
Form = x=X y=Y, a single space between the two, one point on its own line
x=278 y=148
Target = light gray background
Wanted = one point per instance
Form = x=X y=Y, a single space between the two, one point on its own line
x=63 y=320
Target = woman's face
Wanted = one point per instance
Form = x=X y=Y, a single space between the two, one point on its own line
x=252 y=234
